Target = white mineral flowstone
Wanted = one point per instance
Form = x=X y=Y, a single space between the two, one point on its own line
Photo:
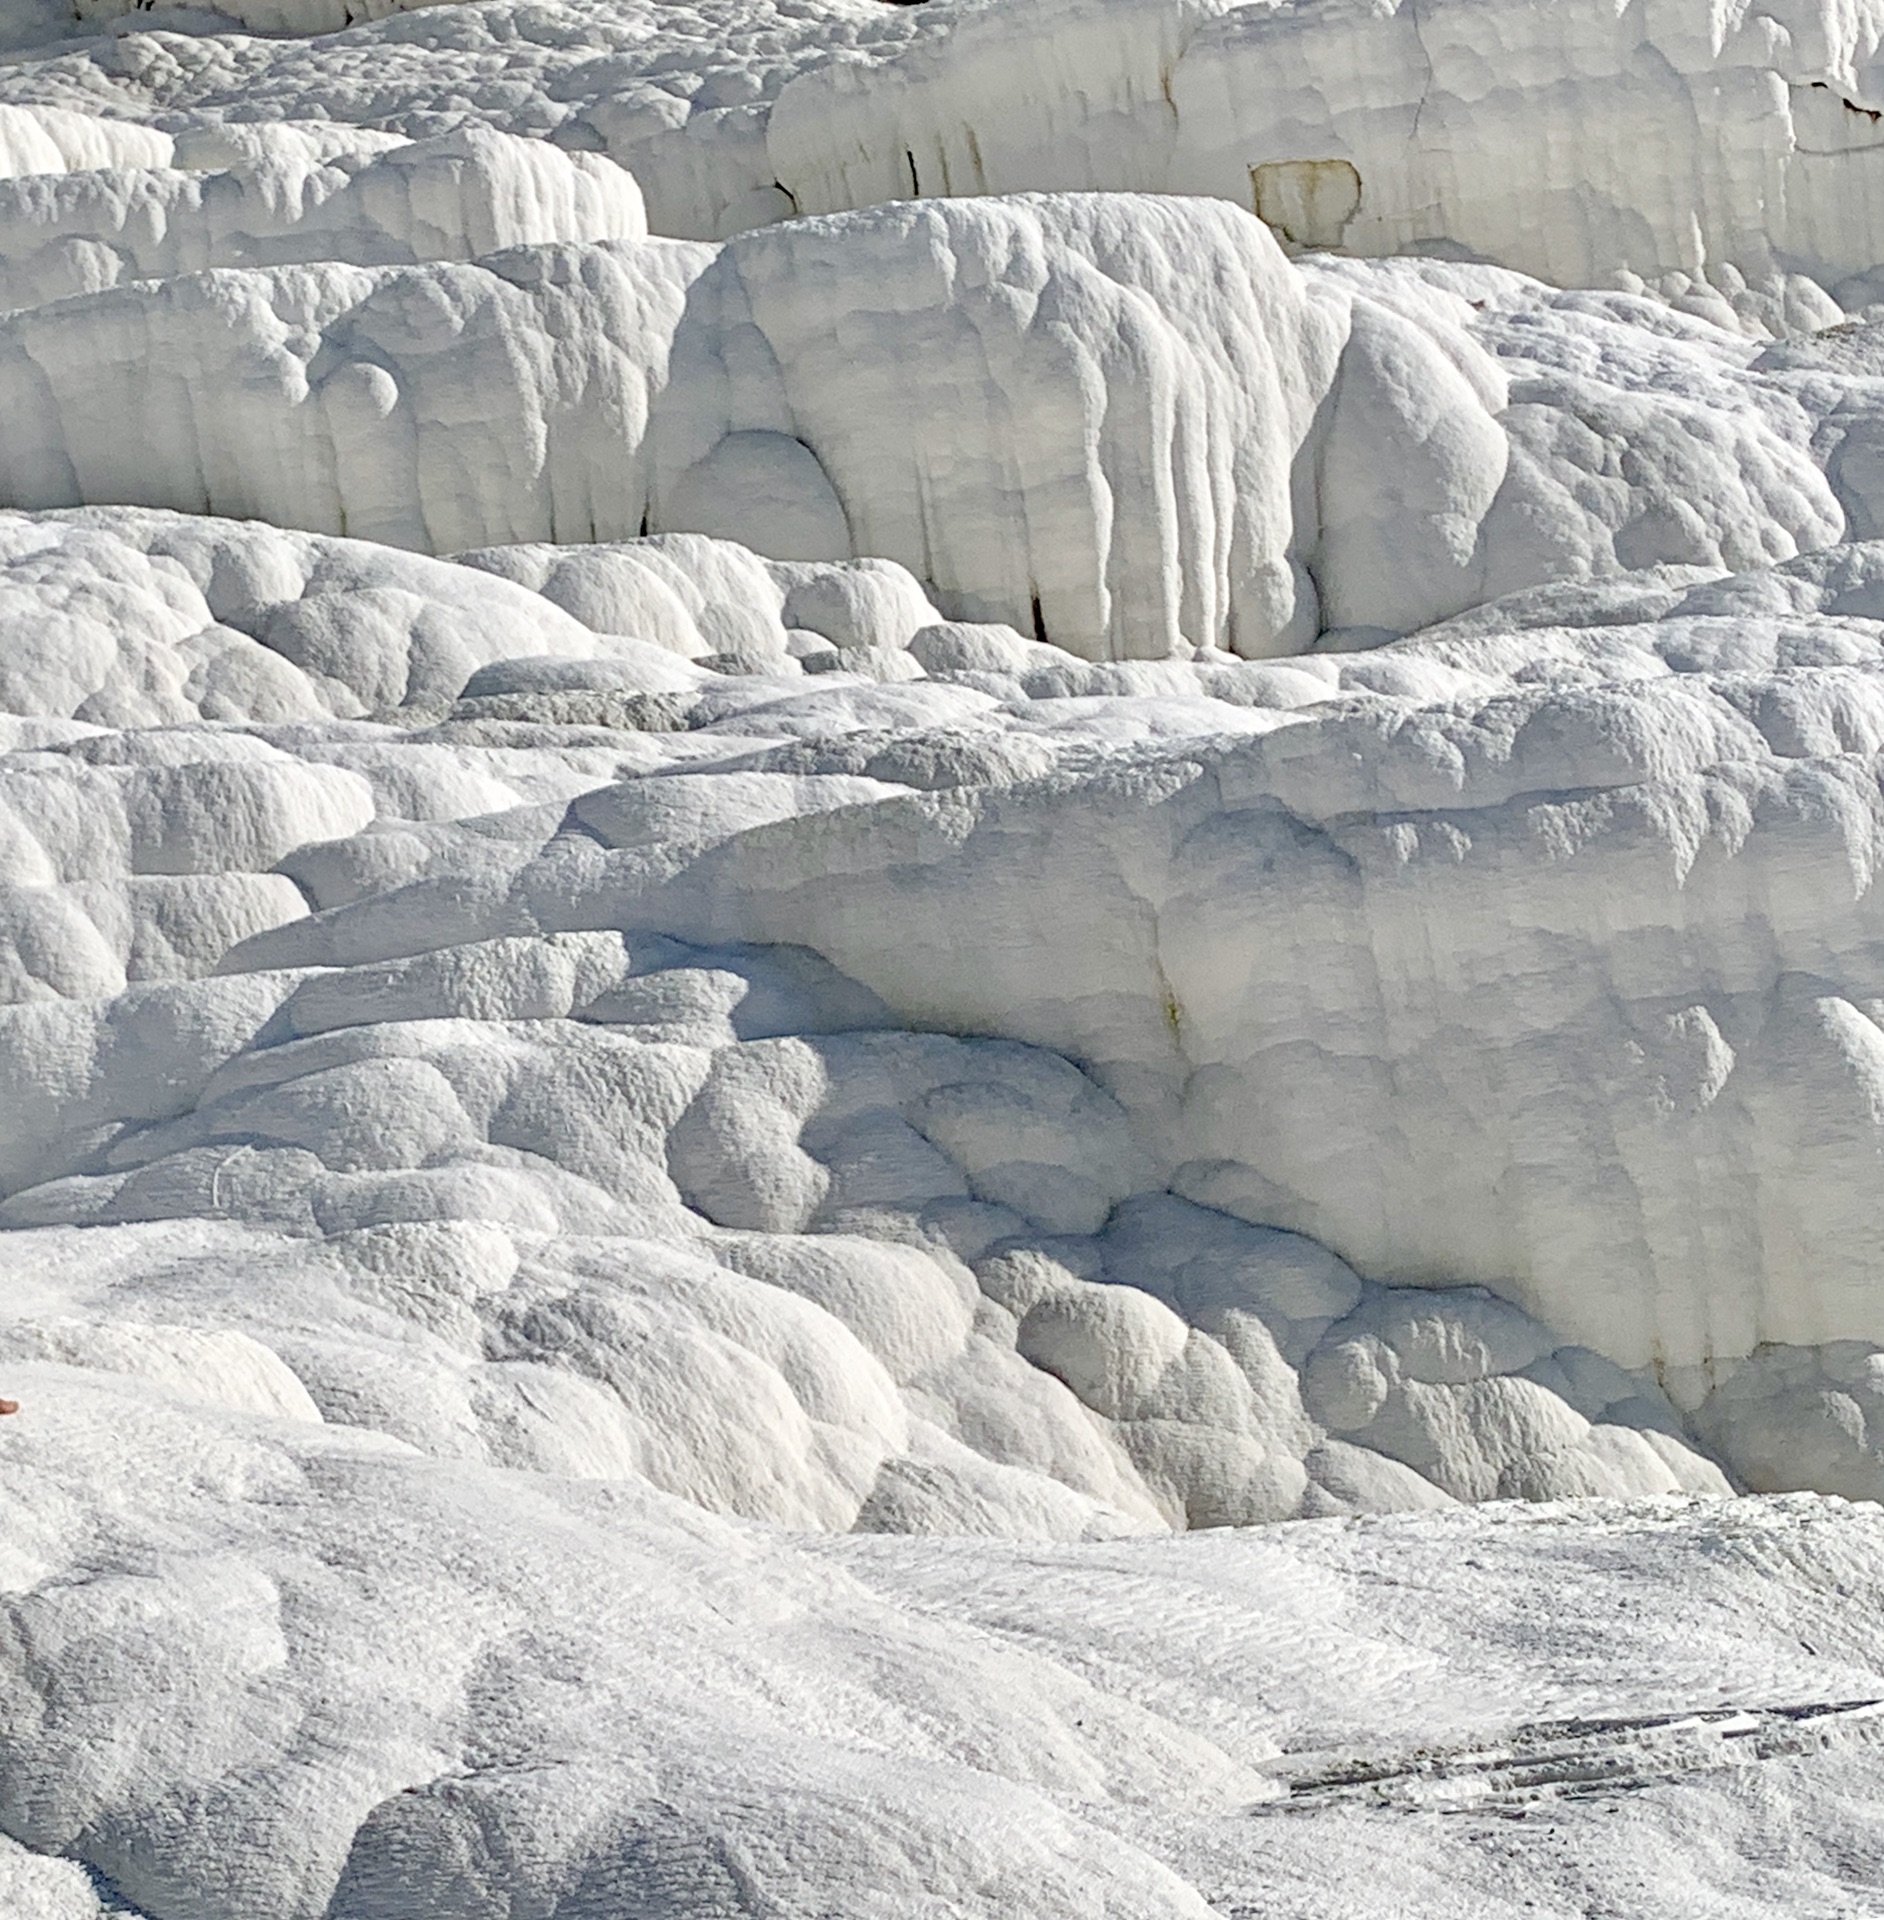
x=1475 y=977
x=1564 y=989
x=36 y=141
x=678 y=95
x=1473 y=974
x=354 y=983
x=467 y=193
x=937 y=965
x=385 y=898
x=1125 y=424
x=432 y=407
x=1728 y=162
x=1718 y=153
x=1193 y=883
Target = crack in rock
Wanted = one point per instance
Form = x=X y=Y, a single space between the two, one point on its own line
x=1579 y=1758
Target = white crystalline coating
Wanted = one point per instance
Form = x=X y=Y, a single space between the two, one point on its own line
x=1671 y=761
x=49 y=140
x=224 y=1368
x=699 y=596
x=258 y=146
x=39 y=1888
x=1098 y=405
x=1722 y=157
x=806 y=817
x=876 y=1722
x=1412 y=465
x=468 y=193
x=1401 y=805
x=1127 y=425
x=677 y=95
x=151 y=619
x=428 y=407
x=1703 y=149
x=421 y=1083
x=769 y=488
x=744 y=1239
x=278 y=16
x=1390 y=919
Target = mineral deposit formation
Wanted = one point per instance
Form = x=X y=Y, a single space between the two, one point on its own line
x=827 y=832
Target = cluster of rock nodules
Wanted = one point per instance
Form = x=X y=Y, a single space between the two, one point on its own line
x=1124 y=424
x=336 y=1090
x=575 y=1205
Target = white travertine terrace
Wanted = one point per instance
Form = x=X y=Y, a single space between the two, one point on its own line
x=829 y=831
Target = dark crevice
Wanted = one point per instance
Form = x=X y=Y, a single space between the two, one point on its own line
x=1873 y=114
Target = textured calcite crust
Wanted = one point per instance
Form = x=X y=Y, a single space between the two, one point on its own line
x=877 y=884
